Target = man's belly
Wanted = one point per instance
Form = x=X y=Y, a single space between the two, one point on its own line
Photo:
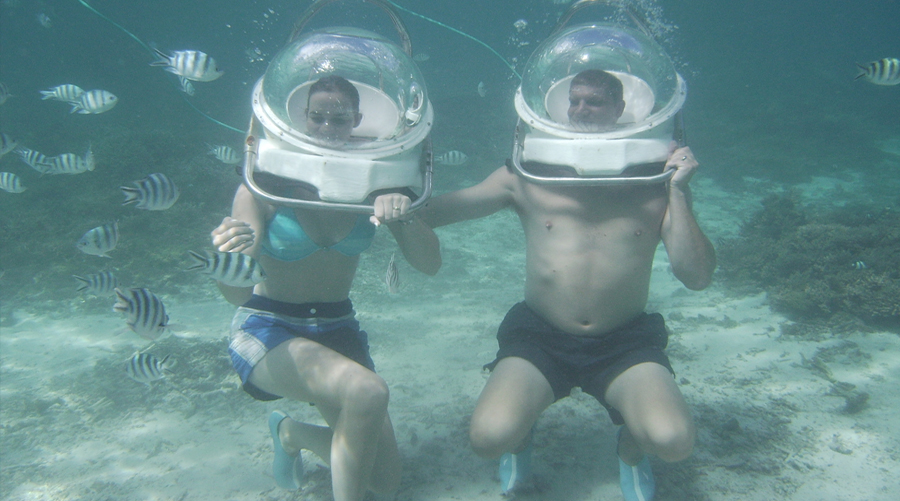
x=590 y=302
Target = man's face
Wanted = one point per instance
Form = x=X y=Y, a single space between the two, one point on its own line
x=593 y=109
x=331 y=117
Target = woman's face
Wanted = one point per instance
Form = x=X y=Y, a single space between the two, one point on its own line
x=331 y=117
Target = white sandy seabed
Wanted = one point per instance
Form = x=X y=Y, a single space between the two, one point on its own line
x=773 y=422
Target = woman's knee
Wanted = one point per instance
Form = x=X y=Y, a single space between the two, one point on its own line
x=493 y=436
x=366 y=392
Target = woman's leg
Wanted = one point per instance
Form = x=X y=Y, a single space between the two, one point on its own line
x=352 y=399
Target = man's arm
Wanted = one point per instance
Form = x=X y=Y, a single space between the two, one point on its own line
x=691 y=254
x=483 y=199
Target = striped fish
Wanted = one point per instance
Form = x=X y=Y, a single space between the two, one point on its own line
x=225 y=154
x=144 y=312
x=70 y=163
x=392 y=277
x=35 y=159
x=230 y=268
x=4 y=93
x=101 y=284
x=7 y=144
x=454 y=157
x=11 y=183
x=186 y=86
x=146 y=368
x=93 y=102
x=100 y=240
x=66 y=93
x=154 y=192
x=882 y=72
x=190 y=64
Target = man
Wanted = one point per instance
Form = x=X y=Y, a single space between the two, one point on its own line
x=589 y=254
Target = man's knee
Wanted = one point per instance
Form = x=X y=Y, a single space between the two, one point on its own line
x=367 y=392
x=672 y=441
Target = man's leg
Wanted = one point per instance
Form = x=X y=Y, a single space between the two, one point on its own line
x=657 y=419
x=514 y=397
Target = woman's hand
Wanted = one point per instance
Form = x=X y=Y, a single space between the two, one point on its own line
x=232 y=236
x=391 y=208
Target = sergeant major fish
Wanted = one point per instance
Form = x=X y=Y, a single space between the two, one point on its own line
x=186 y=86
x=154 y=192
x=225 y=154
x=35 y=159
x=230 y=268
x=144 y=312
x=70 y=163
x=882 y=72
x=100 y=240
x=392 y=276
x=7 y=144
x=67 y=93
x=146 y=368
x=11 y=183
x=101 y=284
x=190 y=64
x=93 y=102
x=454 y=157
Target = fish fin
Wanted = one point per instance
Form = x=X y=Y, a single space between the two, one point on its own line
x=131 y=194
x=163 y=58
x=84 y=285
x=76 y=107
x=47 y=94
x=201 y=261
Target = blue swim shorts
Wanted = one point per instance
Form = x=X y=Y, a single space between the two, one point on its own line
x=261 y=324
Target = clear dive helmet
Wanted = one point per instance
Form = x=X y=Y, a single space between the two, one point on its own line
x=549 y=149
x=388 y=149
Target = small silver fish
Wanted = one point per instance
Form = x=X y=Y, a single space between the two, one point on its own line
x=100 y=240
x=225 y=154
x=154 y=192
x=70 y=163
x=859 y=265
x=421 y=57
x=186 y=86
x=146 y=368
x=191 y=64
x=4 y=93
x=482 y=90
x=230 y=268
x=67 y=93
x=11 y=183
x=35 y=159
x=392 y=276
x=44 y=20
x=882 y=72
x=7 y=144
x=454 y=157
x=144 y=312
x=101 y=284
x=93 y=102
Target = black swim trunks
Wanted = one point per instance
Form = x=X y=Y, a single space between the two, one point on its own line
x=590 y=363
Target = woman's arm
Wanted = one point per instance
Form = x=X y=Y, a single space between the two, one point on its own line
x=238 y=234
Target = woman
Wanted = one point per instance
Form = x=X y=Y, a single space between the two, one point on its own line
x=295 y=335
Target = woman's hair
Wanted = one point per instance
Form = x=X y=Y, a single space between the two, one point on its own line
x=334 y=83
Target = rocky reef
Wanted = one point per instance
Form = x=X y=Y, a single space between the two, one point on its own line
x=820 y=265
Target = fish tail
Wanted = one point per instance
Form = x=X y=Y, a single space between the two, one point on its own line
x=84 y=285
x=163 y=58
x=200 y=261
x=47 y=94
x=131 y=194
x=862 y=70
x=76 y=107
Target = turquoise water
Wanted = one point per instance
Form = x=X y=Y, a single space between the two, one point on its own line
x=772 y=106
